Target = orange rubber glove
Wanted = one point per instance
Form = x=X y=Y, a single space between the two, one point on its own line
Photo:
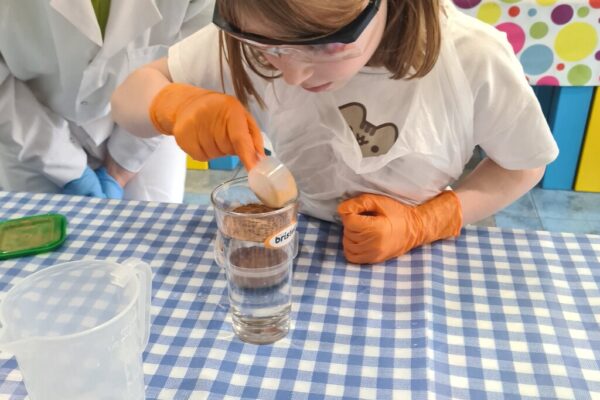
x=377 y=228
x=207 y=124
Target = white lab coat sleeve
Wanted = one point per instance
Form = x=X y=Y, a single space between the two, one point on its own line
x=38 y=138
x=129 y=151
x=198 y=15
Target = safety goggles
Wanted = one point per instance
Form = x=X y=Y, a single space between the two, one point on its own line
x=339 y=45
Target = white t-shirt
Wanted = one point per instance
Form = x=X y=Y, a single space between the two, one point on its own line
x=405 y=139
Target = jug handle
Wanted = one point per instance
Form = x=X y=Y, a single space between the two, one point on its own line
x=144 y=276
x=4 y=345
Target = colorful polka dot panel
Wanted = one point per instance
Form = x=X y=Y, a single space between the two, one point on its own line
x=557 y=42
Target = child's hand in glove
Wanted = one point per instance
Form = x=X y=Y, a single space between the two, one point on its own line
x=377 y=228
x=207 y=124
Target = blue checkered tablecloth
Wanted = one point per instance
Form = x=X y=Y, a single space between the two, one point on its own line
x=493 y=314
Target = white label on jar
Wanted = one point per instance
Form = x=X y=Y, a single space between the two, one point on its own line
x=281 y=238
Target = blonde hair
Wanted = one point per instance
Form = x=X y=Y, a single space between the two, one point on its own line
x=409 y=48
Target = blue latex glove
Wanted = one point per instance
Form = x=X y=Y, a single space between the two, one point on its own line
x=87 y=185
x=110 y=186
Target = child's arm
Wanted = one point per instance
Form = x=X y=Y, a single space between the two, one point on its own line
x=489 y=188
x=205 y=124
x=131 y=100
x=377 y=228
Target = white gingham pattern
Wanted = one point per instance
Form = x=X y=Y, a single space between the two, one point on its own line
x=493 y=314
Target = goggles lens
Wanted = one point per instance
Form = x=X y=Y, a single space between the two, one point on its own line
x=314 y=53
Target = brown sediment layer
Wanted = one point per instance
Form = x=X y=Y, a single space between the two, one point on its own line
x=257 y=227
x=253 y=259
x=253 y=208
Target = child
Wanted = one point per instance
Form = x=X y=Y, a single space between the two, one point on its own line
x=375 y=106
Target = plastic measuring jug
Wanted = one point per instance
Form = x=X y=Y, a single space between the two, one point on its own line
x=78 y=329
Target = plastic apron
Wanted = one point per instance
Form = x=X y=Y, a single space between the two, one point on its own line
x=435 y=141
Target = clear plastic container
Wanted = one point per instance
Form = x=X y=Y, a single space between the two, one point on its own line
x=78 y=330
x=273 y=183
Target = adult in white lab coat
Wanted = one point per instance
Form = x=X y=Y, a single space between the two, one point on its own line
x=57 y=74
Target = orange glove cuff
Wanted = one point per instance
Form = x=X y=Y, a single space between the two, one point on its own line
x=167 y=103
x=441 y=216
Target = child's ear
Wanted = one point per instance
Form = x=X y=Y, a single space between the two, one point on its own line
x=355 y=115
x=382 y=140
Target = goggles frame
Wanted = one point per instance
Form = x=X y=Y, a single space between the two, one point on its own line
x=347 y=34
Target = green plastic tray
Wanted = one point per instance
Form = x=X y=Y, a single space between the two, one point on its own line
x=31 y=235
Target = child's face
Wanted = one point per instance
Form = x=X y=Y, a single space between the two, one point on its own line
x=328 y=76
